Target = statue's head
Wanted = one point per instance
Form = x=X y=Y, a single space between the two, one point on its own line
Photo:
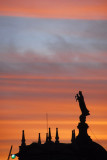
x=80 y=92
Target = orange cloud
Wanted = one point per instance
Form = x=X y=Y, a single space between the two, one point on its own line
x=55 y=9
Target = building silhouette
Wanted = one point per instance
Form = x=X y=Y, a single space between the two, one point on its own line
x=82 y=147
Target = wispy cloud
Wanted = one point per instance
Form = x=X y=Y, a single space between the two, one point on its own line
x=53 y=48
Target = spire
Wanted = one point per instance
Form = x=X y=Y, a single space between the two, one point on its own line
x=73 y=136
x=46 y=137
x=39 y=139
x=57 y=137
x=23 y=139
x=50 y=135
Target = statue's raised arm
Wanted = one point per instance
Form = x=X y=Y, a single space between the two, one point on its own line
x=79 y=97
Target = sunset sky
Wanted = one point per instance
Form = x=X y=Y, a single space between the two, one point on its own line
x=49 y=50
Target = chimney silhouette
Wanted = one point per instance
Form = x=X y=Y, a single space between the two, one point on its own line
x=49 y=135
x=39 y=139
x=57 y=137
x=73 y=136
x=23 y=139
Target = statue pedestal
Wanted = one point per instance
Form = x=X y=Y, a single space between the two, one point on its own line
x=83 y=137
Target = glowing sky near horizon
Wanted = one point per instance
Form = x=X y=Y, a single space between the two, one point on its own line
x=49 y=50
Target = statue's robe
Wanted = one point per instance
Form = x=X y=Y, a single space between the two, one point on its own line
x=82 y=105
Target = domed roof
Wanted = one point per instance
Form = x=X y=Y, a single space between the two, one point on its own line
x=92 y=151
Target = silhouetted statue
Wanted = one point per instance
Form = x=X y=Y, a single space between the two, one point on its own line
x=82 y=146
x=79 y=97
